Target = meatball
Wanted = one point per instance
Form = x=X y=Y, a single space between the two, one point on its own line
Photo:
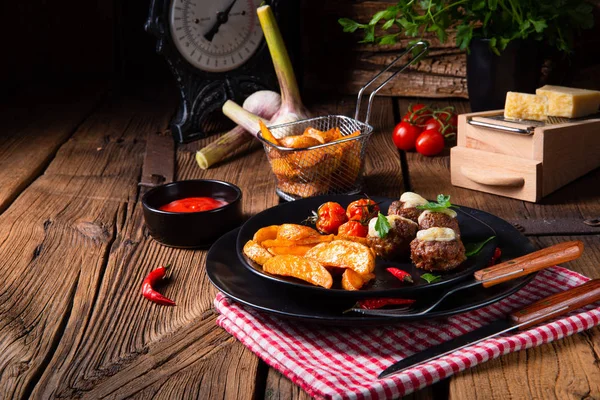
x=445 y=219
x=412 y=213
x=435 y=251
x=397 y=242
x=407 y=206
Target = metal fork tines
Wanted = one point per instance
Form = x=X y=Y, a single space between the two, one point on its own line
x=420 y=307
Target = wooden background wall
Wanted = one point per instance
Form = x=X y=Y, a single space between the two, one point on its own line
x=53 y=41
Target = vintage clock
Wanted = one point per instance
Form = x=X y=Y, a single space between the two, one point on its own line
x=216 y=51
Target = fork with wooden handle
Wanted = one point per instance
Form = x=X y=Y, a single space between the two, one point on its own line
x=490 y=276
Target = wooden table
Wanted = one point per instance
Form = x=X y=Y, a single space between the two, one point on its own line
x=74 y=252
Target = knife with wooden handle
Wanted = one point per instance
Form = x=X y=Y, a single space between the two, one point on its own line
x=542 y=310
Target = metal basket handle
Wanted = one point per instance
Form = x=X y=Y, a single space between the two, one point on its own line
x=420 y=43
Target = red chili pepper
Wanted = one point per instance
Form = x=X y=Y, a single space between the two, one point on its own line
x=371 y=304
x=149 y=292
x=495 y=257
x=400 y=274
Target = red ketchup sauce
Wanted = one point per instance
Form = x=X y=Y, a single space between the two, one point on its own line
x=193 y=204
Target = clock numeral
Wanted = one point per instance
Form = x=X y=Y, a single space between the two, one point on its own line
x=232 y=60
x=192 y=53
x=200 y=58
x=247 y=51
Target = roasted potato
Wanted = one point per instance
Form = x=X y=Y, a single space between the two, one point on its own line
x=298 y=142
x=256 y=252
x=323 y=136
x=296 y=232
x=294 y=250
x=344 y=254
x=299 y=267
x=266 y=133
x=266 y=233
x=352 y=280
x=311 y=240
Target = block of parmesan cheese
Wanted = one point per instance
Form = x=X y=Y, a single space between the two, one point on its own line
x=570 y=102
x=525 y=106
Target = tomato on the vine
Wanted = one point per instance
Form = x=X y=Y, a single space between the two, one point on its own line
x=362 y=210
x=417 y=114
x=353 y=228
x=430 y=142
x=330 y=216
x=405 y=135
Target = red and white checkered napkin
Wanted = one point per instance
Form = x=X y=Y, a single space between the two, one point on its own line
x=343 y=363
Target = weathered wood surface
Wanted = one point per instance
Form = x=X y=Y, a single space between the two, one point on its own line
x=75 y=250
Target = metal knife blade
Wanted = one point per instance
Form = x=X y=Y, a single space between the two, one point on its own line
x=533 y=314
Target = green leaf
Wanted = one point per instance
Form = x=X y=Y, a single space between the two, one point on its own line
x=382 y=225
x=378 y=15
x=474 y=248
x=430 y=278
x=388 y=39
x=464 y=34
x=502 y=43
x=539 y=26
x=388 y=24
x=349 y=25
x=411 y=28
x=443 y=202
x=369 y=34
x=441 y=33
x=478 y=5
x=492 y=4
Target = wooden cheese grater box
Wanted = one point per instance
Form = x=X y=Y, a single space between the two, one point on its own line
x=524 y=160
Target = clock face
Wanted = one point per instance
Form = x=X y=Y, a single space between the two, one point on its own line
x=215 y=35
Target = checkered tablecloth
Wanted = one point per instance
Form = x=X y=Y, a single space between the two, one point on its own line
x=343 y=363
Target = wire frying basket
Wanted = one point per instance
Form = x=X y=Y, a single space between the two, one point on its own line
x=334 y=167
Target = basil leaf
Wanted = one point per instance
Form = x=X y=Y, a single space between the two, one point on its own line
x=474 y=248
x=382 y=225
x=430 y=278
x=443 y=202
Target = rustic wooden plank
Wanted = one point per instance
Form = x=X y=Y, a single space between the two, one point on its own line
x=568 y=368
x=34 y=127
x=431 y=175
x=56 y=238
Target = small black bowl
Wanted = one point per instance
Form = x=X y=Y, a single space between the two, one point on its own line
x=195 y=229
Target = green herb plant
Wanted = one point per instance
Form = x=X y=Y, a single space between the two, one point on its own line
x=500 y=21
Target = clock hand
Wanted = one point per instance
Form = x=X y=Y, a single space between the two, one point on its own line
x=222 y=17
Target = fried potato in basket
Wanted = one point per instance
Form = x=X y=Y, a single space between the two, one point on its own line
x=298 y=142
x=344 y=254
x=352 y=280
x=323 y=136
x=266 y=233
x=299 y=267
x=256 y=252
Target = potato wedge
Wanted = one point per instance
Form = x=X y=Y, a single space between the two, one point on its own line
x=352 y=280
x=357 y=239
x=266 y=233
x=299 y=267
x=296 y=232
x=312 y=240
x=266 y=133
x=294 y=250
x=344 y=254
x=299 y=142
x=256 y=252
x=320 y=136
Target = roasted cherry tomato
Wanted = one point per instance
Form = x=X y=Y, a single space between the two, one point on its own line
x=362 y=210
x=417 y=114
x=353 y=228
x=405 y=135
x=430 y=143
x=330 y=216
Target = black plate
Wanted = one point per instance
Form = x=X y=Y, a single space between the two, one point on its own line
x=475 y=225
x=231 y=277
